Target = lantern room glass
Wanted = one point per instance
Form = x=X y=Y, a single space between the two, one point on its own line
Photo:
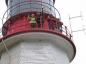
x=19 y=6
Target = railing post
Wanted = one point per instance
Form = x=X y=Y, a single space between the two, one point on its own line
x=70 y=36
x=66 y=30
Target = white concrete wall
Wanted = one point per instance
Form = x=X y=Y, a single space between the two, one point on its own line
x=35 y=53
x=14 y=56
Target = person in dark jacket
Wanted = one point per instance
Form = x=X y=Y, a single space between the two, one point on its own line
x=59 y=25
x=38 y=19
x=51 y=23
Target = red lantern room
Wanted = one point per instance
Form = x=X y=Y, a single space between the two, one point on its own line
x=35 y=16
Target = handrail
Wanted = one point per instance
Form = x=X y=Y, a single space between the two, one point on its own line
x=29 y=8
x=64 y=29
x=21 y=4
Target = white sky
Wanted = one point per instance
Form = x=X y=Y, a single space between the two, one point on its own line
x=66 y=8
x=73 y=8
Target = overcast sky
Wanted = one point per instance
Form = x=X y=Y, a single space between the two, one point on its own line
x=70 y=8
x=74 y=8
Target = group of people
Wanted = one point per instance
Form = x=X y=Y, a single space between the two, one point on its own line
x=53 y=23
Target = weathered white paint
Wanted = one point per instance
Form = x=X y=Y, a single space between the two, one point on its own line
x=35 y=52
x=55 y=48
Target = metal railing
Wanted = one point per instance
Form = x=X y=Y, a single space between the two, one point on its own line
x=52 y=11
x=6 y=15
x=24 y=27
x=66 y=32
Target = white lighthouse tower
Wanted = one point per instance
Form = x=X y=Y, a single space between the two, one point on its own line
x=44 y=41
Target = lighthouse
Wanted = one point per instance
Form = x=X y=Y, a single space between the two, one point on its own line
x=33 y=33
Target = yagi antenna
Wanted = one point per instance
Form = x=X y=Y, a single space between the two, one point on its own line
x=74 y=17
